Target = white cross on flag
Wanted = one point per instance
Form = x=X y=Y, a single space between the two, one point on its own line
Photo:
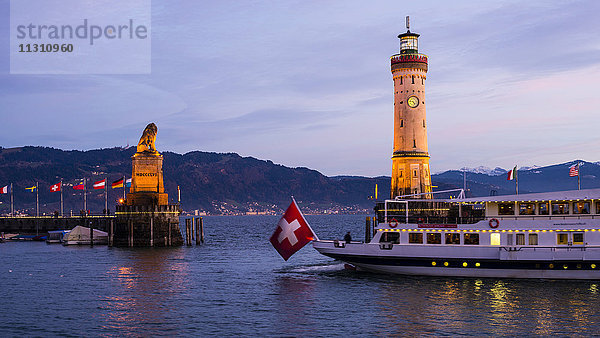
x=292 y=233
x=56 y=187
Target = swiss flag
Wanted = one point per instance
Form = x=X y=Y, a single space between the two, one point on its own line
x=292 y=233
x=56 y=187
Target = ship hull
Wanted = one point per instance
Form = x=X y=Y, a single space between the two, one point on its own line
x=580 y=264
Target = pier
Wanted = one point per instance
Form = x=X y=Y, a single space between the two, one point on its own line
x=31 y=225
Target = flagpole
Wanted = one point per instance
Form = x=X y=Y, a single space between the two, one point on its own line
x=84 y=198
x=12 y=206
x=106 y=195
x=37 y=200
x=124 y=186
x=517 y=180
x=61 y=200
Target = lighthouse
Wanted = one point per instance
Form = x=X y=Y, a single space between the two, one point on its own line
x=410 y=159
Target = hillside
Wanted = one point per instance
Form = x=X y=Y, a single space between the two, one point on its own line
x=228 y=183
x=217 y=183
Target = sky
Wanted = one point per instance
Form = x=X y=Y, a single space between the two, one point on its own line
x=308 y=84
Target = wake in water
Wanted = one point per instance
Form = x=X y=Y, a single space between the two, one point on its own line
x=313 y=268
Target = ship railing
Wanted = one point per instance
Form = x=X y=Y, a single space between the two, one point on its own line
x=417 y=198
x=435 y=220
x=546 y=217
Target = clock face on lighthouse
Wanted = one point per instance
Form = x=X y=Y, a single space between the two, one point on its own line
x=413 y=101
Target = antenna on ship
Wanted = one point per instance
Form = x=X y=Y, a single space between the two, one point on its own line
x=408 y=23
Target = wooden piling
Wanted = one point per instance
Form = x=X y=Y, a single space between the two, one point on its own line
x=91 y=234
x=374 y=225
x=188 y=238
x=112 y=232
x=201 y=230
x=197 y=221
x=131 y=233
x=152 y=230
x=191 y=231
x=368 y=230
x=169 y=234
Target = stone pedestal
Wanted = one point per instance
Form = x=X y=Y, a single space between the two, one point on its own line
x=147 y=186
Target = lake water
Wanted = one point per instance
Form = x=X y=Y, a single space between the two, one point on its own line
x=236 y=284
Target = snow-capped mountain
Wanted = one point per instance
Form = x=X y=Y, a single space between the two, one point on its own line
x=485 y=170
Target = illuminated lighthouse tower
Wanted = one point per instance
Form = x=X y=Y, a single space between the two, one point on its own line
x=410 y=161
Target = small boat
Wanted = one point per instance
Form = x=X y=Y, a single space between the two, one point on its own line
x=56 y=236
x=81 y=236
x=554 y=235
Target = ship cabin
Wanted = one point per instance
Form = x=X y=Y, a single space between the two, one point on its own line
x=565 y=218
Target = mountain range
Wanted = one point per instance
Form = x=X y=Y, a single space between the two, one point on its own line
x=227 y=183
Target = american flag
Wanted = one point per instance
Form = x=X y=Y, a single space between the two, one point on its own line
x=574 y=170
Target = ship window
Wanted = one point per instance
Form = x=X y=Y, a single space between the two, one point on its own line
x=581 y=207
x=509 y=238
x=390 y=237
x=434 y=238
x=415 y=174
x=400 y=79
x=578 y=238
x=471 y=239
x=495 y=238
x=560 y=208
x=533 y=239
x=526 y=209
x=520 y=239
x=452 y=238
x=401 y=122
x=415 y=238
x=413 y=79
x=506 y=209
x=562 y=238
x=598 y=207
x=543 y=209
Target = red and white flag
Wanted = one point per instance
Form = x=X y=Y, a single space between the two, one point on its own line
x=292 y=233
x=574 y=170
x=56 y=187
x=100 y=184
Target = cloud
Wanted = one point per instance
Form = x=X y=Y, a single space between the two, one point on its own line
x=308 y=83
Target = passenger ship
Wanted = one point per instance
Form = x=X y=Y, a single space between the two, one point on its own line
x=553 y=235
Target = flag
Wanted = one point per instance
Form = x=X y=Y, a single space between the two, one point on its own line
x=56 y=187
x=292 y=232
x=100 y=184
x=5 y=189
x=117 y=184
x=128 y=183
x=33 y=189
x=79 y=186
x=511 y=174
x=574 y=170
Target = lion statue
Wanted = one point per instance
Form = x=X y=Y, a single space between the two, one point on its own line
x=147 y=140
